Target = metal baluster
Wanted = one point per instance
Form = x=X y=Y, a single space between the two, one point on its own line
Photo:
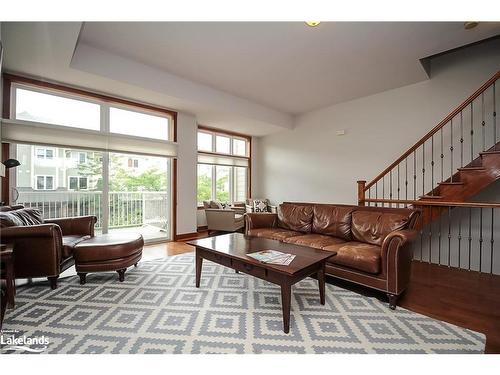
x=449 y=236
x=470 y=233
x=414 y=175
x=376 y=193
x=480 y=239
x=482 y=122
x=432 y=165
x=442 y=155
x=492 y=240
x=494 y=115
x=459 y=236
x=423 y=168
x=430 y=234
x=390 y=187
x=398 y=183
x=383 y=190
x=422 y=237
x=451 y=152
x=439 y=210
x=461 y=139
x=406 y=181
x=471 y=131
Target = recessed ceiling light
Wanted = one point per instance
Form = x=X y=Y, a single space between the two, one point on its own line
x=470 y=25
x=313 y=23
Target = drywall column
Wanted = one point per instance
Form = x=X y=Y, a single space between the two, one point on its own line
x=186 y=173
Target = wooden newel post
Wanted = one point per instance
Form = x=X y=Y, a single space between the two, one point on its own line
x=361 y=193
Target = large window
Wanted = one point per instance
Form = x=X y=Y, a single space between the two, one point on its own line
x=121 y=175
x=223 y=166
x=128 y=122
x=136 y=199
x=56 y=107
x=205 y=181
x=39 y=106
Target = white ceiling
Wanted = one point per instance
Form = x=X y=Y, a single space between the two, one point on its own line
x=246 y=77
x=287 y=66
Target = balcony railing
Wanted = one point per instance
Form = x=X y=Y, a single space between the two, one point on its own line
x=126 y=209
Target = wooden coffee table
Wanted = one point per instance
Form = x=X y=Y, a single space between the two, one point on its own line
x=231 y=250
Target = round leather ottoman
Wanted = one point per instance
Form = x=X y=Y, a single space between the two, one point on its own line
x=108 y=252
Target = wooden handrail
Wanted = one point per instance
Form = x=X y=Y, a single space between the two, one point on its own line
x=435 y=203
x=446 y=120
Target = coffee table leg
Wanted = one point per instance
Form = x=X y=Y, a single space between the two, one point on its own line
x=321 y=283
x=199 y=264
x=286 y=292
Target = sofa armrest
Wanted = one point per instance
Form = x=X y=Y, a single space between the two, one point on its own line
x=260 y=220
x=396 y=259
x=238 y=210
x=80 y=225
x=11 y=234
x=37 y=249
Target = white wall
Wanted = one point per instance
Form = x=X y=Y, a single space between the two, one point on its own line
x=186 y=173
x=310 y=163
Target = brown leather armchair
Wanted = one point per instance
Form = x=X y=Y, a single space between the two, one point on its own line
x=43 y=248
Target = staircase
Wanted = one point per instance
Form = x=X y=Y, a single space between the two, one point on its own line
x=440 y=173
x=470 y=179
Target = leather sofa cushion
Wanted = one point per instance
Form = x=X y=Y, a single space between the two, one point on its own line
x=317 y=241
x=20 y=217
x=357 y=255
x=295 y=217
x=278 y=234
x=69 y=243
x=333 y=220
x=373 y=226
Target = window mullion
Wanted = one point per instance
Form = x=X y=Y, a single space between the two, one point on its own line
x=231 y=185
x=214 y=183
x=105 y=171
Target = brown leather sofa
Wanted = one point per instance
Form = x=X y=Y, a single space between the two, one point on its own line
x=372 y=243
x=42 y=248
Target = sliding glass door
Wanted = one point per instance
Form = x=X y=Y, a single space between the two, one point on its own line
x=126 y=192
x=139 y=195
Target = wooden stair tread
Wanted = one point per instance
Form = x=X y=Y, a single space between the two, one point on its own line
x=451 y=183
x=423 y=197
x=472 y=169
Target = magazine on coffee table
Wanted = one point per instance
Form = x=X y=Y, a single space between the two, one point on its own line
x=273 y=257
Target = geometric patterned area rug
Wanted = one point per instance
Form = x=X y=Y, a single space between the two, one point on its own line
x=157 y=309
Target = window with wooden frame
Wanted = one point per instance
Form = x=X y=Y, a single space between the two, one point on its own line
x=51 y=116
x=224 y=165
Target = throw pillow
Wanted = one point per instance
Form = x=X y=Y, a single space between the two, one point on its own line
x=216 y=204
x=260 y=206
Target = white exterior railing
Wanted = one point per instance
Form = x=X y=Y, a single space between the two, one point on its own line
x=126 y=208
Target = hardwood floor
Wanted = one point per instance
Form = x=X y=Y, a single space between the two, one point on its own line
x=464 y=298
x=163 y=250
